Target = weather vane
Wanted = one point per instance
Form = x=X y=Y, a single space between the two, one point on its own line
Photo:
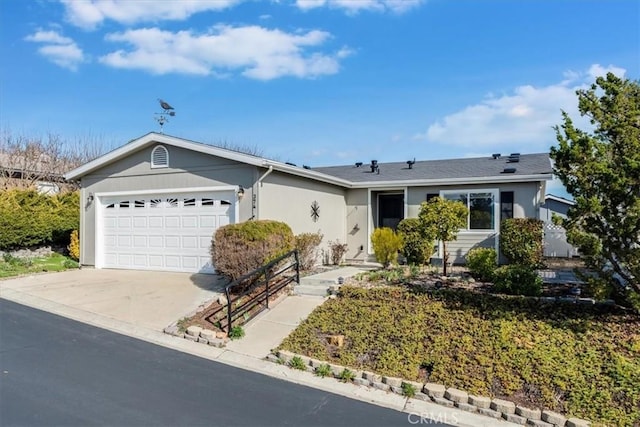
x=167 y=112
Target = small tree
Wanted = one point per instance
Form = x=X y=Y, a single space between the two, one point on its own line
x=601 y=170
x=386 y=245
x=443 y=219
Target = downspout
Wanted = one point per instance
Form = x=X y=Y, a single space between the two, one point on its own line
x=257 y=202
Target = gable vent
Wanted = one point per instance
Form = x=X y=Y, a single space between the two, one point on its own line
x=159 y=157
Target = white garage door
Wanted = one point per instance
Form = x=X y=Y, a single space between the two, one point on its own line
x=168 y=232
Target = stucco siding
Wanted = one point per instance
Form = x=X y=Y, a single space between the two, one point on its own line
x=187 y=169
x=289 y=198
x=357 y=224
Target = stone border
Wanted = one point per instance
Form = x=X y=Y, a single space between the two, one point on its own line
x=438 y=393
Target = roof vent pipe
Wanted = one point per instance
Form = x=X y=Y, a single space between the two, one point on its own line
x=374 y=166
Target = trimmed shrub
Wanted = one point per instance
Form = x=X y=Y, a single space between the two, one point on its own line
x=521 y=241
x=517 y=280
x=74 y=246
x=237 y=249
x=307 y=246
x=386 y=245
x=28 y=218
x=417 y=248
x=482 y=263
x=337 y=251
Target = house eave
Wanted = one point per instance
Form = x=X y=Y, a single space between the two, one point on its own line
x=151 y=138
x=454 y=181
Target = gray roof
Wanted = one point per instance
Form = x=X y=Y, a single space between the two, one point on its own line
x=479 y=167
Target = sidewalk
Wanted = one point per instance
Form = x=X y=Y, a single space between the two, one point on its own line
x=262 y=334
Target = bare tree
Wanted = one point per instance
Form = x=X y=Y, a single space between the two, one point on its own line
x=26 y=161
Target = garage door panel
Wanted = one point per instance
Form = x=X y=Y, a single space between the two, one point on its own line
x=110 y=242
x=172 y=261
x=156 y=242
x=189 y=242
x=189 y=221
x=207 y=221
x=140 y=222
x=140 y=241
x=124 y=222
x=156 y=222
x=172 y=242
x=172 y=222
x=163 y=232
x=140 y=260
x=190 y=262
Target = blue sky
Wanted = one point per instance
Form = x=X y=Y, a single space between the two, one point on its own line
x=315 y=82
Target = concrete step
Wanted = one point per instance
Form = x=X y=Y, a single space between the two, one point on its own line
x=314 y=290
x=317 y=281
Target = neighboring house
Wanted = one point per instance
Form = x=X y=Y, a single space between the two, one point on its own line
x=555 y=237
x=155 y=202
x=16 y=172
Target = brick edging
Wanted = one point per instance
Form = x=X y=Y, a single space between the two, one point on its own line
x=438 y=393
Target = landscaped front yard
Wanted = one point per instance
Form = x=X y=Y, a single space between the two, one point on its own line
x=11 y=266
x=577 y=359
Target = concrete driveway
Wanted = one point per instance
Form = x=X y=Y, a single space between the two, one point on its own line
x=145 y=298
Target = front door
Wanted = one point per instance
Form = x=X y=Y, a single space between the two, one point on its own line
x=390 y=210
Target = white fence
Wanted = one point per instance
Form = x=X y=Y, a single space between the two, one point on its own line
x=555 y=242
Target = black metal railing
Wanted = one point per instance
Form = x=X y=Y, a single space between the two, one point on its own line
x=249 y=295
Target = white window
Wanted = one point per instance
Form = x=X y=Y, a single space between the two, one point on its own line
x=159 y=157
x=481 y=205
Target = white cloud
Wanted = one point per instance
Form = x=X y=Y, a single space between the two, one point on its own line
x=258 y=53
x=90 y=13
x=522 y=120
x=60 y=50
x=355 y=6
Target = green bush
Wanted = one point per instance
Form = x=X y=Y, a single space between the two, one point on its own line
x=238 y=249
x=28 y=218
x=386 y=245
x=416 y=246
x=517 y=280
x=236 y=333
x=521 y=241
x=296 y=362
x=408 y=389
x=482 y=263
x=307 y=246
x=323 y=370
x=346 y=375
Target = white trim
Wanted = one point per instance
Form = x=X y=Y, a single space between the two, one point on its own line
x=495 y=192
x=559 y=199
x=453 y=181
x=98 y=208
x=153 y=164
x=169 y=191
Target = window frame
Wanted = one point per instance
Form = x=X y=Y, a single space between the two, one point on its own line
x=153 y=152
x=495 y=192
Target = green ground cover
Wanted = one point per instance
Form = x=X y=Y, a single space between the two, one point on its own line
x=11 y=266
x=579 y=360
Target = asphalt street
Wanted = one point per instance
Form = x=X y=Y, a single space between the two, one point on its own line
x=58 y=372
